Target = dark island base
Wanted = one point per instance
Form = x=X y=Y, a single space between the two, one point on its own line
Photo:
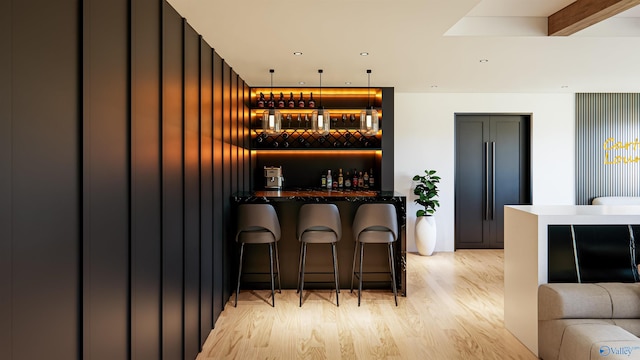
x=287 y=205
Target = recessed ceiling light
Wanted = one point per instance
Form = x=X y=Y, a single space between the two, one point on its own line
x=347 y=82
x=297 y=53
x=301 y=83
x=565 y=86
x=434 y=86
x=484 y=61
x=364 y=53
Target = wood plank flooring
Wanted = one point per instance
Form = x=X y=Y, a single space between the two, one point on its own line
x=454 y=309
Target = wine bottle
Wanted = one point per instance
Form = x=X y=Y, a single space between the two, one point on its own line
x=365 y=180
x=281 y=101
x=360 y=180
x=329 y=180
x=301 y=101
x=340 y=179
x=261 y=101
x=292 y=102
x=372 y=181
x=270 y=103
x=311 y=102
x=347 y=181
x=323 y=181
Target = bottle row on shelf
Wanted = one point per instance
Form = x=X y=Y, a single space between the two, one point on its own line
x=350 y=139
x=302 y=121
x=282 y=103
x=355 y=181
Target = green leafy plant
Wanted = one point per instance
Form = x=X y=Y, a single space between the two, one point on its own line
x=427 y=190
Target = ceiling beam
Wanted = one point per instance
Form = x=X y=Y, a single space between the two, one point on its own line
x=583 y=13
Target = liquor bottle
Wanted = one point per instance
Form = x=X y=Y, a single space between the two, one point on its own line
x=365 y=180
x=354 y=181
x=311 y=102
x=329 y=180
x=261 y=101
x=281 y=101
x=372 y=182
x=323 y=182
x=360 y=180
x=335 y=185
x=292 y=102
x=340 y=179
x=301 y=101
x=347 y=181
x=271 y=103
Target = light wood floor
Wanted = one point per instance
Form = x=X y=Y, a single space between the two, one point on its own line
x=453 y=310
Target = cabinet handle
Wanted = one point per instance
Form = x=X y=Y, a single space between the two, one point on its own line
x=493 y=179
x=486 y=180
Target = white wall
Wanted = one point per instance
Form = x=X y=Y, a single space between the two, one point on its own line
x=424 y=139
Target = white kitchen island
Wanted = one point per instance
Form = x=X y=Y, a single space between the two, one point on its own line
x=526 y=257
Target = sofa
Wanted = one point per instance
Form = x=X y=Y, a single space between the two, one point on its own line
x=589 y=321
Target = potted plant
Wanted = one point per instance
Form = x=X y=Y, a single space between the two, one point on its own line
x=425 y=231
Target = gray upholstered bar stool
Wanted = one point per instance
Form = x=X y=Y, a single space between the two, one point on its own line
x=258 y=224
x=374 y=224
x=318 y=224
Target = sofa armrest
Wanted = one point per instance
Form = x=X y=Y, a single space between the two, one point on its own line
x=573 y=301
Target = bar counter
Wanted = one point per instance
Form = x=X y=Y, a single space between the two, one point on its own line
x=287 y=204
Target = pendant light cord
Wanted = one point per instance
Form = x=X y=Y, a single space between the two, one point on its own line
x=320 y=72
x=368 y=88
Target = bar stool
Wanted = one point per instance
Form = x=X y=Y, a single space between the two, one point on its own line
x=258 y=224
x=318 y=224
x=375 y=224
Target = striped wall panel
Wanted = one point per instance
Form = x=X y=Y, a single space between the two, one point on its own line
x=607 y=145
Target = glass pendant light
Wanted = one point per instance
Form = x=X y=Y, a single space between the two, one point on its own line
x=271 y=118
x=369 y=117
x=320 y=118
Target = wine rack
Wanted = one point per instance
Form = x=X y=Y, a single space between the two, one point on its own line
x=344 y=106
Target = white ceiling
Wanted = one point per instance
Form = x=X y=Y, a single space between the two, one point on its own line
x=419 y=45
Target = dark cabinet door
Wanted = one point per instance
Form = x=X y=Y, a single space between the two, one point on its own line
x=492 y=170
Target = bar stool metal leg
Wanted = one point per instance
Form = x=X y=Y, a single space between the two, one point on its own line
x=335 y=271
x=278 y=267
x=273 y=290
x=304 y=255
x=353 y=267
x=393 y=273
x=360 y=276
x=239 y=274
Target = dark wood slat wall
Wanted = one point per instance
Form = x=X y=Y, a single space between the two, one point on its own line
x=172 y=184
x=105 y=164
x=246 y=138
x=191 y=193
x=6 y=237
x=116 y=158
x=146 y=191
x=218 y=188
x=45 y=178
x=206 y=190
x=227 y=188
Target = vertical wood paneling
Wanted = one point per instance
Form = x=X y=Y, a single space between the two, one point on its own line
x=600 y=171
x=246 y=138
x=233 y=132
x=387 y=166
x=105 y=179
x=227 y=185
x=172 y=184
x=218 y=187
x=191 y=193
x=46 y=186
x=6 y=237
x=146 y=227
x=206 y=190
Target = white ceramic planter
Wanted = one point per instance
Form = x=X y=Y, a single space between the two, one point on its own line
x=425 y=235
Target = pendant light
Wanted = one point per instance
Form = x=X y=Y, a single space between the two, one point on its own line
x=271 y=118
x=320 y=117
x=369 y=117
